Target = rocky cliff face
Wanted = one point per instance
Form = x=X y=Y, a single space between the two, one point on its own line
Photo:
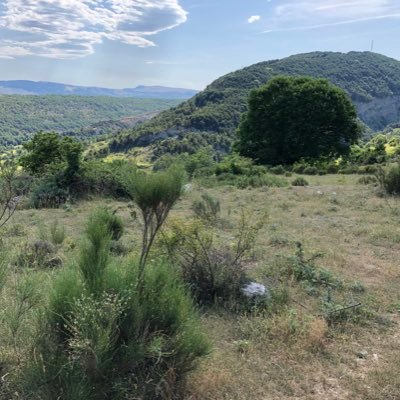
x=379 y=112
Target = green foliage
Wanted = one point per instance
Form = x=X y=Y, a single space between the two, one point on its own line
x=22 y=116
x=214 y=272
x=101 y=338
x=57 y=233
x=48 y=151
x=101 y=178
x=304 y=269
x=48 y=192
x=207 y=209
x=216 y=111
x=389 y=179
x=299 y=181
x=8 y=191
x=277 y=170
x=112 y=221
x=95 y=251
x=196 y=164
x=292 y=118
x=154 y=194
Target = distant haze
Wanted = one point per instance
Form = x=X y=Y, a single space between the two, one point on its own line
x=22 y=87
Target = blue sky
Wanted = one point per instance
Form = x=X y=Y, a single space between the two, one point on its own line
x=185 y=43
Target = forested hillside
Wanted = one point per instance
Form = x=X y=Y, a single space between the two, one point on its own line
x=22 y=116
x=372 y=80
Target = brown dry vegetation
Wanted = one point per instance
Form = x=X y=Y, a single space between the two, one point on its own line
x=292 y=354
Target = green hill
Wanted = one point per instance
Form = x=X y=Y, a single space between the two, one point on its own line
x=22 y=116
x=372 y=80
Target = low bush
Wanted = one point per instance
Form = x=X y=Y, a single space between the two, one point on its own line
x=214 y=272
x=100 y=338
x=300 y=181
x=266 y=180
x=367 y=180
x=311 y=171
x=277 y=170
x=112 y=221
x=389 y=179
x=48 y=193
x=57 y=233
x=207 y=209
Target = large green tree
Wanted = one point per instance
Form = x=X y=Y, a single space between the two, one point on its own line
x=293 y=118
x=48 y=151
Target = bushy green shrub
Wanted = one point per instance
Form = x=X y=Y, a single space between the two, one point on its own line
x=298 y=168
x=102 y=338
x=112 y=221
x=348 y=170
x=311 y=171
x=277 y=170
x=244 y=182
x=154 y=194
x=389 y=179
x=48 y=193
x=367 y=180
x=57 y=233
x=300 y=181
x=101 y=178
x=207 y=209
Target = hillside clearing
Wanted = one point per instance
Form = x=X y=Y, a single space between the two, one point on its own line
x=293 y=354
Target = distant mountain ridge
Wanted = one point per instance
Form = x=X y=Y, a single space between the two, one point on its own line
x=26 y=87
x=81 y=116
x=372 y=81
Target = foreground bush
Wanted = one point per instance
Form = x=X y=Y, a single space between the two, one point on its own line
x=100 y=338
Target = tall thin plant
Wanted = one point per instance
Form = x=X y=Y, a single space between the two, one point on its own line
x=154 y=194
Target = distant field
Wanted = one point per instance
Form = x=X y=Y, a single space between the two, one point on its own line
x=292 y=354
x=22 y=116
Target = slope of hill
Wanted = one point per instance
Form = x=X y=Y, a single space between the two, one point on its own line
x=22 y=116
x=23 y=87
x=372 y=80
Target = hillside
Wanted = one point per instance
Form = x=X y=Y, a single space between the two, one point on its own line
x=22 y=116
x=372 y=80
x=23 y=87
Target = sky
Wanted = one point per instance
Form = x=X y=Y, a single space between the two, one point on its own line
x=180 y=43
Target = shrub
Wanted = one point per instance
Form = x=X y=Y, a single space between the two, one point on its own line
x=35 y=255
x=214 y=273
x=207 y=209
x=267 y=180
x=332 y=168
x=101 y=338
x=277 y=170
x=298 y=168
x=389 y=179
x=47 y=193
x=367 y=180
x=311 y=171
x=57 y=233
x=304 y=269
x=300 y=181
x=154 y=194
x=112 y=221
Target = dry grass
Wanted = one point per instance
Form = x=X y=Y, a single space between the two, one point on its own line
x=292 y=354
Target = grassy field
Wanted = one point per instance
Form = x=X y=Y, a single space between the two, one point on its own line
x=294 y=353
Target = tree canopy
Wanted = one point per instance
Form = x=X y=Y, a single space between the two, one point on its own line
x=293 y=118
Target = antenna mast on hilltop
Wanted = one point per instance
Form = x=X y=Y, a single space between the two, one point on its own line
x=372 y=46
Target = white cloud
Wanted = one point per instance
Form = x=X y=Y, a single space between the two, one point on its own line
x=293 y=15
x=70 y=29
x=253 y=19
